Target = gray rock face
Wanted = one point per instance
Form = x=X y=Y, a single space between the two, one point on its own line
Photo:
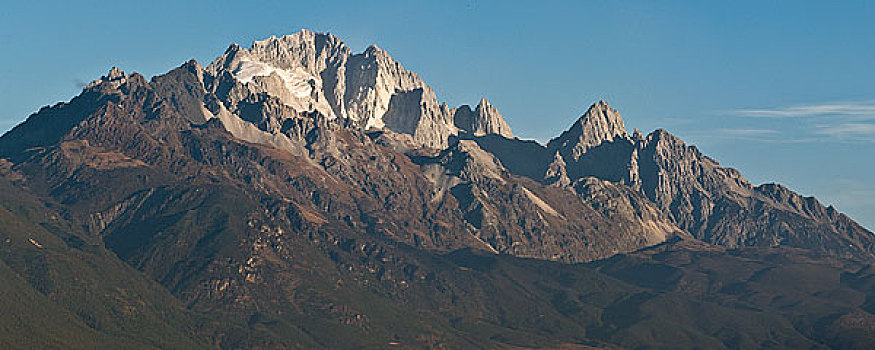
x=515 y=215
x=719 y=206
x=417 y=113
x=596 y=145
x=713 y=203
x=601 y=123
x=115 y=76
x=556 y=173
x=483 y=120
x=317 y=73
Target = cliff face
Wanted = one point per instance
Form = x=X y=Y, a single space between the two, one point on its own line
x=713 y=203
x=483 y=120
x=600 y=124
x=317 y=73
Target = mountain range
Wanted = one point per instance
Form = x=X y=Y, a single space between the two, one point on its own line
x=298 y=195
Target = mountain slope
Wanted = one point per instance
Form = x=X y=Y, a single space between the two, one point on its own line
x=713 y=203
x=63 y=290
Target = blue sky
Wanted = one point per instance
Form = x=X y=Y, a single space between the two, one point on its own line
x=784 y=91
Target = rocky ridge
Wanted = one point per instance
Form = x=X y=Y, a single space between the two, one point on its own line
x=343 y=114
x=317 y=73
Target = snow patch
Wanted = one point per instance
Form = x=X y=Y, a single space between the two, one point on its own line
x=297 y=81
x=295 y=87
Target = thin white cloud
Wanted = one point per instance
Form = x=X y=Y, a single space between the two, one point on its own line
x=864 y=110
x=849 y=131
x=825 y=122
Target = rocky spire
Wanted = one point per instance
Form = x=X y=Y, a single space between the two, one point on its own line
x=115 y=76
x=314 y=72
x=483 y=120
x=556 y=173
x=301 y=70
x=115 y=73
x=487 y=120
x=601 y=123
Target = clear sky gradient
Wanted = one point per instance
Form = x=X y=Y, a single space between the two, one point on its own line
x=784 y=91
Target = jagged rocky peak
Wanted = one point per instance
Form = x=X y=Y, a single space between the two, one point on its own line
x=810 y=206
x=115 y=73
x=637 y=136
x=115 y=76
x=489 y=121
x=601 y=123
x=317 y=73
x=371 y=79
x=293 y=68
x=306 y=50
x=483 y=120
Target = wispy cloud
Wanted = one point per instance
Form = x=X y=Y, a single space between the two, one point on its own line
x=853 y=109
x=849 y=131
x=837 y=121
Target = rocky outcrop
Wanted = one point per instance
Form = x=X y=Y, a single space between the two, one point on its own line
x=315 y=73
x=372 y=78
x=596 y=145
x=556 y=173
x=417 y=113
x=713 y=203
x=600 y=124
x=483 y=120
x=116 y=76
x=514 y=215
